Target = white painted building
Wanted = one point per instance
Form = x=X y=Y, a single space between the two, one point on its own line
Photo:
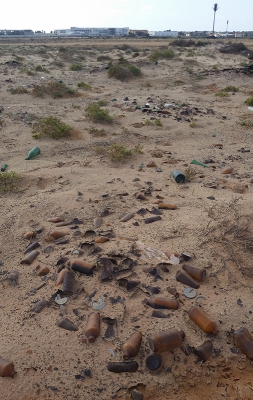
x=163 y=33
x=74 y=31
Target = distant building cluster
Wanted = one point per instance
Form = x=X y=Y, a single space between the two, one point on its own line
x=16 y=32
x=92 y=32
x=118 y=32
x=112 y=32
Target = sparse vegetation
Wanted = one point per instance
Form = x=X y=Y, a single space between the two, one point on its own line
x=84 y=85
x=221 y=94
x=59 y=64
x=233 y=48
x=76 y=67
x=158 y=122
x=103 y=58
x=9 y=181
x=102 y=103
x=19 y=90
x=246 y=122
x=192 y=124
x=96 y=132
x=178 y=82
x=54 y=89
x=96 y=114
x=230 y=89
x=136 y=54
x=123 y=70
x=162 y=54
x=100 y=150
x=249 y=101
x=119 y=152
x=51 y=127
x=39 y=68
x=190 y=174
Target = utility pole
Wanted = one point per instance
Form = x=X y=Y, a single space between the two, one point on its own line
x=227 y=29
x=215 y=8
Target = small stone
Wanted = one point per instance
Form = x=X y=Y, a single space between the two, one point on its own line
x=87 y=372
x=136 y=395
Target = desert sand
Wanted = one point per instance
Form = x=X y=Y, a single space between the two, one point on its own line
x=75 y=178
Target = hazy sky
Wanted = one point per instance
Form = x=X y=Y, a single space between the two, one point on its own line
x=188 y=15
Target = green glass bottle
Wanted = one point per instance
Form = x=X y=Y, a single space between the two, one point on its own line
x=33 y=153
x=3 y=167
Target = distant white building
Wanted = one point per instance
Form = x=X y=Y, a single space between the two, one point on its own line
x=163 y=33
x=74 y=31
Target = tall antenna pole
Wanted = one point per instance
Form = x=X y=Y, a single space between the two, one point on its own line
x=227 y=29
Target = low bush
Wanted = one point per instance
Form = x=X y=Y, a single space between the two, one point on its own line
x=19 y=90
x=96 y=114
x=183 y=42
x=123 y=70
x=230 y=89
x=54 y=89
x=104 y=58
x=51 y=127
x=233 y=48
x=249 y=101
x=119 y=152
x=76 y=67
x=9 y=181
x=162 y=54
x=84 y=85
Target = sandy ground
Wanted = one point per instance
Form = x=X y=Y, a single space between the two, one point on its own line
x=75 y=178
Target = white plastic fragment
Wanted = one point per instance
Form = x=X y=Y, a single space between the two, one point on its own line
x=150 y=254
x=111 y=352
x=98 y=305
x=190 y=292
x=250 y=108
x=60 y=300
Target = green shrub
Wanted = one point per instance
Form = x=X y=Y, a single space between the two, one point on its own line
x=158 y=122
x=230 y=89
x=84 y=86
x=51 y=127
x=119 y=152
x=183 y=42
x=159 y=54
x=249 y=101
x=96 y=132
x=221 y=94
x=136 y=54
x=102 y=103
x=59 y=64
x=96 y=114
x=8 y=182
x=246 y=122
x=19 y=90
x=76 y=67
x=39 y=68
x=54 y=89
x=103 y=58
x=233 y=48
x=123 y=70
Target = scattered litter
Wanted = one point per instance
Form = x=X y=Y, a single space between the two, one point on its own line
x=98 y=305
x=199 y=163
x=199 y=299
x=111 y=352
x=190 y=292
x=150 y=253
x=60 y=300
x=178 y=176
